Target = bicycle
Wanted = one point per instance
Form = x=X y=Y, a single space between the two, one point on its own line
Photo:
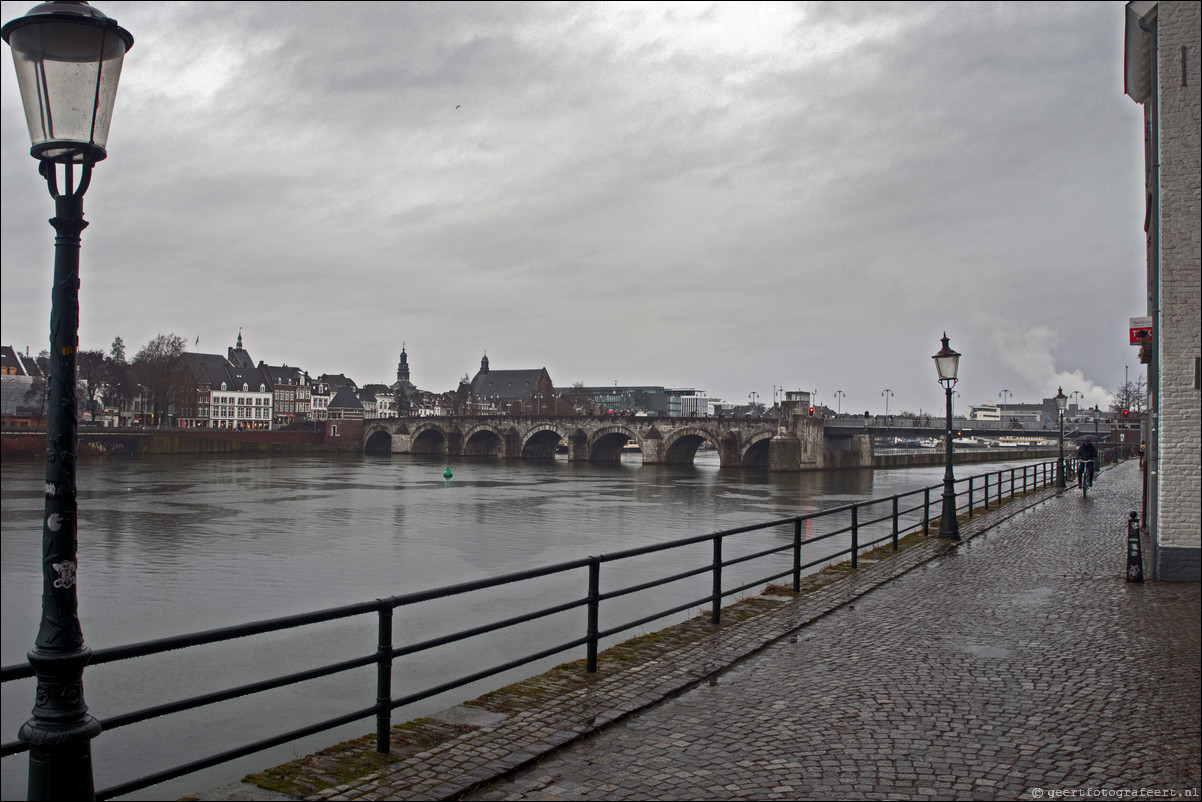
x=1085 y=473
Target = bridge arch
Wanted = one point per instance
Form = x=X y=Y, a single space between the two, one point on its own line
x=754 y=453
x=428 y=438
x=378 y=441
x=483 y=441
x=680 y=447
x=605 y=444
x=542 y=441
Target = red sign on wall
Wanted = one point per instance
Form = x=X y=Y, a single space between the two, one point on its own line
x=1141 y=330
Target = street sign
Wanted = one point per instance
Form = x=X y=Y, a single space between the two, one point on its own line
x=1141 y=330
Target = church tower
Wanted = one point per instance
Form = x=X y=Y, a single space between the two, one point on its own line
x=402 y=368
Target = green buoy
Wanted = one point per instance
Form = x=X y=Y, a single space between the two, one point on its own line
x=447 y=473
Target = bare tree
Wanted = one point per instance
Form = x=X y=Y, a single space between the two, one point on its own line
x=160 y=368
x=1131 y=396
x=580 y=401
x=92 y=369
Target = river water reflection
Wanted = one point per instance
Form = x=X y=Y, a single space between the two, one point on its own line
x=170 y=545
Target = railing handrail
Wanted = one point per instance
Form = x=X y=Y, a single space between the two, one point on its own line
x=384 y=607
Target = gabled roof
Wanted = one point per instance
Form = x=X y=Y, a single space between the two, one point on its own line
x=507 y=383
x=15 y=364
x=284 y=374
x=212 y=369
x=345 y=398
x=337 y=380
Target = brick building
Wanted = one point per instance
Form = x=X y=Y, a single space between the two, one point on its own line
x=1161 y=73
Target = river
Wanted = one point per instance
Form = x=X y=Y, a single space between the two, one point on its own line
x=169 y=545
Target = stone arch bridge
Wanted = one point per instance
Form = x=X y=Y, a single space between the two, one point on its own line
x=798 y=444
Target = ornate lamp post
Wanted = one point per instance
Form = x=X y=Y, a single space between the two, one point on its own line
x=68 y=60
x=947 y=363
x=1061 y=404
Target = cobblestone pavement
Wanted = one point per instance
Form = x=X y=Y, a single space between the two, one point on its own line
x=1016 y=666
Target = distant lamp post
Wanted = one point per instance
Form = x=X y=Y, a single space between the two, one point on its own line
x=839 y=399
x=887 y=393
x=1061 y=405
x=68 y=60
x=947 y=363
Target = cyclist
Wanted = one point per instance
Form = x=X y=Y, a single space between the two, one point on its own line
x=1087 y=460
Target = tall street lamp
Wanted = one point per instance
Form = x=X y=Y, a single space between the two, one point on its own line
x=68 y=60
x=1061 y=404
x=947 y=363
x=887 y=393
x=839 y=397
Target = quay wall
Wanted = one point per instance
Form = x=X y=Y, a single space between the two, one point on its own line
x=960 y=457
x=110 y=442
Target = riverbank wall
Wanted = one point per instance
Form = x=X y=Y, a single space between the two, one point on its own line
x=31 y=443
x=965 y=457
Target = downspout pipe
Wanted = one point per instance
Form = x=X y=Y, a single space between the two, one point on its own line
x=1152 y=518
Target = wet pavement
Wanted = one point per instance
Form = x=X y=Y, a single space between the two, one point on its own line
x=1021 y=665
x=1018 y=664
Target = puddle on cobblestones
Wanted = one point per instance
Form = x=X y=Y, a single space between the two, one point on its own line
x=977 y=650
x=1034 y=597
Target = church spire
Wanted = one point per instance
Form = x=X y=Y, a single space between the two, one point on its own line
x=484 y=363
x=402 y=368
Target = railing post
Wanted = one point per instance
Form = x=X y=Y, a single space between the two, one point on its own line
x=716 y=613
x=384 y=678
x=1012 y=483
x=855 y=535
x=895 y=523
x=594 y=609
x=970 y=496
x=797 y=555
x=986 y=492
x=926 y=511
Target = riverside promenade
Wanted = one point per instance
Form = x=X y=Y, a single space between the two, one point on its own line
x=1017 y=664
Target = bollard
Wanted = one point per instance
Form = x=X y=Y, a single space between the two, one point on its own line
x=1135 y=558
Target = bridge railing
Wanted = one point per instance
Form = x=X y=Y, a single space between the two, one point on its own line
x=736 y=561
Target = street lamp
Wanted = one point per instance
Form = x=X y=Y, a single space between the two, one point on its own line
x=947 y=363
x=839 y=397
x=1061 y=404
x=68 y=60
x=887 y=393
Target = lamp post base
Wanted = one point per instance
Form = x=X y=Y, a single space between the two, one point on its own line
x=949 y=526
x=60 y=733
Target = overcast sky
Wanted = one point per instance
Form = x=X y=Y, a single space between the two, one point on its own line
x=730 y=197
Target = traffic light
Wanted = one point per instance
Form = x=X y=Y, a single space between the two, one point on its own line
x=811 y=412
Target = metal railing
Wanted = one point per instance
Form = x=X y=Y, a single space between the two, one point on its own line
x=851 y=529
